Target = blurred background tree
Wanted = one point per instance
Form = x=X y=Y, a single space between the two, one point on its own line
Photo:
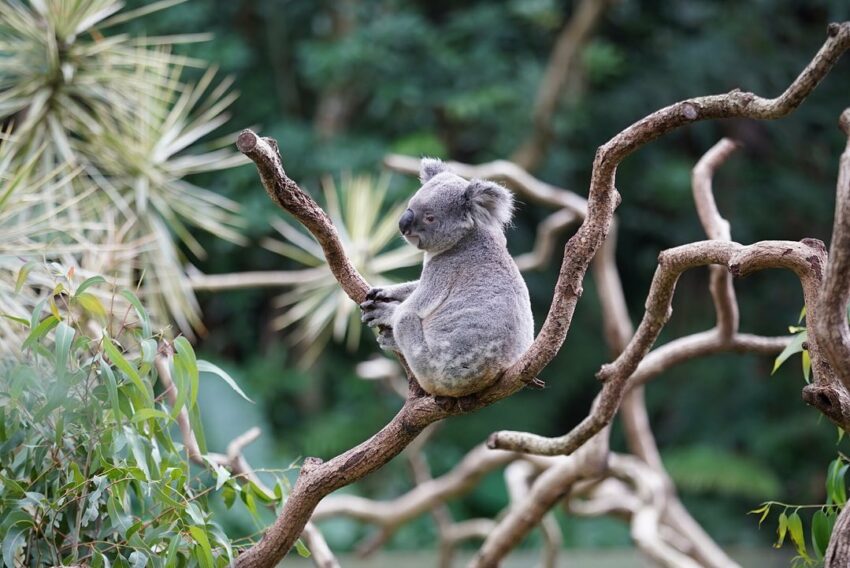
x=340 y=84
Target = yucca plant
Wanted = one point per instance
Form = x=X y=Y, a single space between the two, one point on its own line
x=115 y=110
x=315 y=307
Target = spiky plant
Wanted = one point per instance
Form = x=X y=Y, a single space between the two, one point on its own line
x=314 y=306
x=115 y=110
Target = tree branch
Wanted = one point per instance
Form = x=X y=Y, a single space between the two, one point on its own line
x=602 y=201
x=317 y=479
x=832 y=327
x=322 y=555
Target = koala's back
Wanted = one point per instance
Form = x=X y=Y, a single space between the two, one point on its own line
x=484 y=322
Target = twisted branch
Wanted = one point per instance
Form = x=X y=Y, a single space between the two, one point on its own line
x=318 y=478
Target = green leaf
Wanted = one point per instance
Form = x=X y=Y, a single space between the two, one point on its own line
x=198 y=428
x=248 y=498
x=764 y=510
x=138 y=451
x=200 y=537
x=781 y=530
x=118 y=359
x=795 y=346
x=302 y=549
x=148 y=413
x=140 y=311
x=795 y=529
x=39 y=331
x=807 y=366
x=185 y=357
x=207 y=367
x=91 y=305
x=821 y=531
x=16 y=319
x=836 y=489
x=87 y=283
x=228 y=493
x=112 y=389
x=62 y=348
x=12 y=542
x=22 y=276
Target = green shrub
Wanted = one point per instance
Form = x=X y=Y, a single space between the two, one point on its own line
x=91 y=469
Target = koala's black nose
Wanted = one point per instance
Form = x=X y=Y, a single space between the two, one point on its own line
x=405 y=222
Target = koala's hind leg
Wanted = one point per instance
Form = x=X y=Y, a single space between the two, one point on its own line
x=444 y=369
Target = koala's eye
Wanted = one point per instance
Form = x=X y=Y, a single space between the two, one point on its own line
x=429 y=218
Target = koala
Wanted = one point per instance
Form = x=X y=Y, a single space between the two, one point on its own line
x=468 y=317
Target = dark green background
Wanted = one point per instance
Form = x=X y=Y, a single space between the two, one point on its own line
x=458 y=80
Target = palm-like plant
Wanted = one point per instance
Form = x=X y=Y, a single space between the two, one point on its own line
x=315 y=306
x=116 y=111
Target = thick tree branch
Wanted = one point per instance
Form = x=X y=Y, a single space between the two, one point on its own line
x=838 y=552
x=805 y=259
x=716 y=228
x=321 y=553
x=265 y=154
x=604 y=198
x=832 y=327
x=317 y=479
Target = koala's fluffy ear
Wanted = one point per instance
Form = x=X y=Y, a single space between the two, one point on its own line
x=491 y=203
x=431 y=167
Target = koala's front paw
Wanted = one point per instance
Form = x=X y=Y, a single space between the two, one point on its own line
x=386 y=340
x=379 y=295
x=377 y=313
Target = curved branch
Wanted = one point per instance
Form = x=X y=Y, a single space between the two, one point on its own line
x=424 y=497
x=317 y=479
x=322 y=555
x=550 y=487
x=804 y=258
x=716 y=228
x=518 y=479
x=265 y=154
x=832 y=328
x=603 y=197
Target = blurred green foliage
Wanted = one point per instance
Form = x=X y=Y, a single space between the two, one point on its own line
x=339 y=84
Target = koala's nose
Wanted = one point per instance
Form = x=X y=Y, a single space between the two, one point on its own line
x=405 y=222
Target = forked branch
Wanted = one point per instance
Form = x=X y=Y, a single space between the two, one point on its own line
x=318 y=478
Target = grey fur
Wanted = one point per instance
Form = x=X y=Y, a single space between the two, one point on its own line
x=468 y=317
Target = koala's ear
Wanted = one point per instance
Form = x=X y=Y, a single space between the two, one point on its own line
x=430 y=167
x=491 y=203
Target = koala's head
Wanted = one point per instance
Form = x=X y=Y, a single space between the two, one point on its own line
x=447 y=207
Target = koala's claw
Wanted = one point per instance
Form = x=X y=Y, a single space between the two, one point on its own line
x=375 y=314
x=370 y=295
x=376 y=295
